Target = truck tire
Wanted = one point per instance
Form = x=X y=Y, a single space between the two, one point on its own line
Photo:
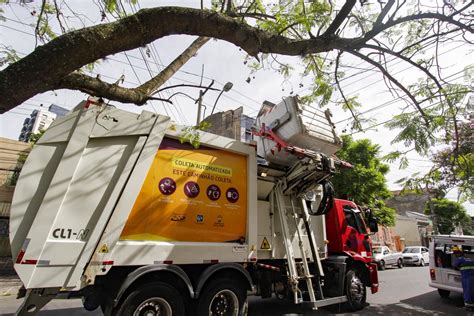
x=400 y=263
x=355 y=291
x=443 y=293
x=222 y=297
x=157 y=298
x=381 y=265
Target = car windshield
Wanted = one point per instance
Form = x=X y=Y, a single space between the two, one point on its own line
x=377 y=250
x=411 y=250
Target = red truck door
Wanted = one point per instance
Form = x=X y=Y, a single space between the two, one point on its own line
x=346 y=229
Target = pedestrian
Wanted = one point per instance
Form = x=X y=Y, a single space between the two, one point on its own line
x=466 y=266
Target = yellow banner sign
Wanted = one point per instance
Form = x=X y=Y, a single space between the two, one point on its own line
x=191 y=195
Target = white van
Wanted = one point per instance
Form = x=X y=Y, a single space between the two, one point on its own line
x=443 y=275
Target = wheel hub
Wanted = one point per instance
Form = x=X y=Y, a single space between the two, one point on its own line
x=224 y=303
x=153 y=307
x=356 y=289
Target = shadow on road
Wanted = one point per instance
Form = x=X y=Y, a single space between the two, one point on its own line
x=425 y=304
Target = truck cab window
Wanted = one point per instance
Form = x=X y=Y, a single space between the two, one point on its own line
x=354 y=219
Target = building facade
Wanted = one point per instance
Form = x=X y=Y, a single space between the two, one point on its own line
x=412 y=226
x=233 y=124
x=40 y=120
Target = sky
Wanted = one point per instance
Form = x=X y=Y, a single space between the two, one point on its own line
x=224 y=62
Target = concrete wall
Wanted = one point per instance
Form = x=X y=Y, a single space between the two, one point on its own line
x=226 y=123
x=408 y=231
x=409 y=202
x=9 y=153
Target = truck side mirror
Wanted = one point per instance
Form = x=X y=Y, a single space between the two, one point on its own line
x=372 y=221
x=373 y=225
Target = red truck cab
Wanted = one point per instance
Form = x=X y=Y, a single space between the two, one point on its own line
x=348 y=235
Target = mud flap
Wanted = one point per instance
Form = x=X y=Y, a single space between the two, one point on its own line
x=35 y=299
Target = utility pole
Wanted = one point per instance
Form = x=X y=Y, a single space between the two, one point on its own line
x=198 y=119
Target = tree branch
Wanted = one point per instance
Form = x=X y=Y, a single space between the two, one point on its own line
x=152 y=85
x=408 y=60
x=384 y=12
x=340 y=17
x=421 y=16
x=78 y=48
x=139 y=95
x=349 y=106
x=395 y=81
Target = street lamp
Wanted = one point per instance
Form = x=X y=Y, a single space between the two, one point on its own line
x=226 y=88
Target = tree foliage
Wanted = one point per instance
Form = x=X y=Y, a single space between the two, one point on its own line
x=449 y=215
x=365 y=183
x=324 y=37
x=317 y=32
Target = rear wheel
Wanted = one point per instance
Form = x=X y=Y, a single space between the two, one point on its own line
x=157 y=298
x=355 y=291
x=223 y=297
x=443 y=293
x=381 y=265
x=400 y=263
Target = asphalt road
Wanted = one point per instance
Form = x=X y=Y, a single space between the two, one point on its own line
x=402 y=292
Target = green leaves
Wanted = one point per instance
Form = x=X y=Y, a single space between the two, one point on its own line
x=190 y=134
x=365 y=183
x=448 y=215
x=8 y=56
x=413 y=132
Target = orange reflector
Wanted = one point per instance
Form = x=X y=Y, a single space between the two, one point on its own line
x=432 y=274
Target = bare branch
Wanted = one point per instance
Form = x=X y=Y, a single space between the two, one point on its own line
x=421 y=16
x=149 y=87
x=139 y=95
x=43 y=5
x=384 y=12
x=358 y=124
x=408 y=60
x=395 y=81
x=340 y=17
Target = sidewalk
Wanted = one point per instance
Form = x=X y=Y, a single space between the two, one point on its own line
x=9 y=281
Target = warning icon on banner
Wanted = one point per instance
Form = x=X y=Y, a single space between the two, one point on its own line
x=104 y=249
x=265 y=244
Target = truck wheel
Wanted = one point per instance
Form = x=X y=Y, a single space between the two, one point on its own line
x=355 y=291
x=443 y=293
x=381 y=265
x=400 y=263
x=222 y=297
x=157 y=298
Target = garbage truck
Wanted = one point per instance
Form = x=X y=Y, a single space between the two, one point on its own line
x=118 y=209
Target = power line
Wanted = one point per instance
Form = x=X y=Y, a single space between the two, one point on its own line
x=391 y=101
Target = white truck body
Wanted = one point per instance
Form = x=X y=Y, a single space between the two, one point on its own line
x=88 y=200
x=444 y=276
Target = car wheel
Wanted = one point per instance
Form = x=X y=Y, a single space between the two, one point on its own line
x=381 y=265
x=422 y=263
x=223 y=296
x=400 y=263
x=156 y=298
x=355 y=291
x=443 y=293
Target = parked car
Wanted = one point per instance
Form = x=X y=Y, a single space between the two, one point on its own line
x=383 y=256
x=416 y=255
